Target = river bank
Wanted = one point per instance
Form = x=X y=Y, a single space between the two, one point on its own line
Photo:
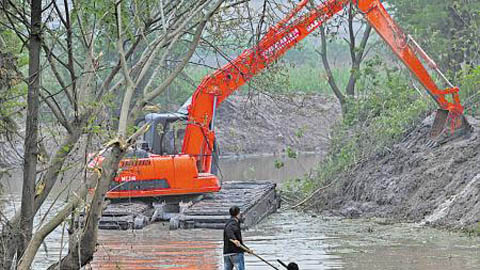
x=416 y=180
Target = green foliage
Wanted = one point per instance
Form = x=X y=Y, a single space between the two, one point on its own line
x=278 y=164
x=470 y=91
x=301 y=131
x=447 y=29
x=281 y=79
x=373 y=123
x=66 y=148
x=473 y=231
x=312 y=79
x=299 y=71
x=12 y=89
x=291 y=153
x=306 y=52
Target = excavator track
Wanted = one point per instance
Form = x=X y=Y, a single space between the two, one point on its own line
x=126 y=215
x=256 y=200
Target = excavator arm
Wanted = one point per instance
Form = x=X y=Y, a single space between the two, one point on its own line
x=408 y=50
x=199 y=136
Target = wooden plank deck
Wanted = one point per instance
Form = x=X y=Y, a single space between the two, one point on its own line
x=255 y=199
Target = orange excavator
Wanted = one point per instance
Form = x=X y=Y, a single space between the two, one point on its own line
x=160 y=168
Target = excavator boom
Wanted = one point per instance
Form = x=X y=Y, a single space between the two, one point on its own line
x=199 y=137
x=408 y=50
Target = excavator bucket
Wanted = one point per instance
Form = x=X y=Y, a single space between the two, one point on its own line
x=445 y=126
x=439 y=123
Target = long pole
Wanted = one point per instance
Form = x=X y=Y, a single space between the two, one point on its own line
x=283 y=264
x=251 y=252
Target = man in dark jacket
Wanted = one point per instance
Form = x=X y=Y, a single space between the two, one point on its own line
x=232 y=242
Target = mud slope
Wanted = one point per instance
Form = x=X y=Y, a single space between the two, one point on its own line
x=437 y=185
x=264 y=124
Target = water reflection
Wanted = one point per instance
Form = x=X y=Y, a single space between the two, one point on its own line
x=315 y=243
x=158 y=248
x=286 y=236
x=263 y=167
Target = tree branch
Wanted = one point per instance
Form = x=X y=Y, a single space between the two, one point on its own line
x=130 y=86
x=351 y=32
x=55 y=108
x=193 y=45
x=53 y=67
x=38 y=238
x=357 y=61
x=71 y=67
x=328 y=70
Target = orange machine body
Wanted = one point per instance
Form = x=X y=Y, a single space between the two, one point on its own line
x=190 y=172
x=160 y=176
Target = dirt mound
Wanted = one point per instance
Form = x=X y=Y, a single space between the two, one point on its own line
x=269 y=124
x=437 y=185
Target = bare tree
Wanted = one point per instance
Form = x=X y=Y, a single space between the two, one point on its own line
x=90 y=66
x=30 y=156
x=357 y=54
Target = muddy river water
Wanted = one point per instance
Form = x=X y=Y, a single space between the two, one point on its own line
x=314 y=242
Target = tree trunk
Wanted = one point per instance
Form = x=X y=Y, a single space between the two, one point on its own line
x=81 y=252
x=331 y=80
x=30 y=156
x=456 y=53
x=357 y=59
x=41 y=234
x=9 y=243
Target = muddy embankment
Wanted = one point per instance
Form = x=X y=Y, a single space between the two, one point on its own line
x=268 y=125
x=437 y=185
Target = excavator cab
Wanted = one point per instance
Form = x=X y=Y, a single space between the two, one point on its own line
x=165 y=135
